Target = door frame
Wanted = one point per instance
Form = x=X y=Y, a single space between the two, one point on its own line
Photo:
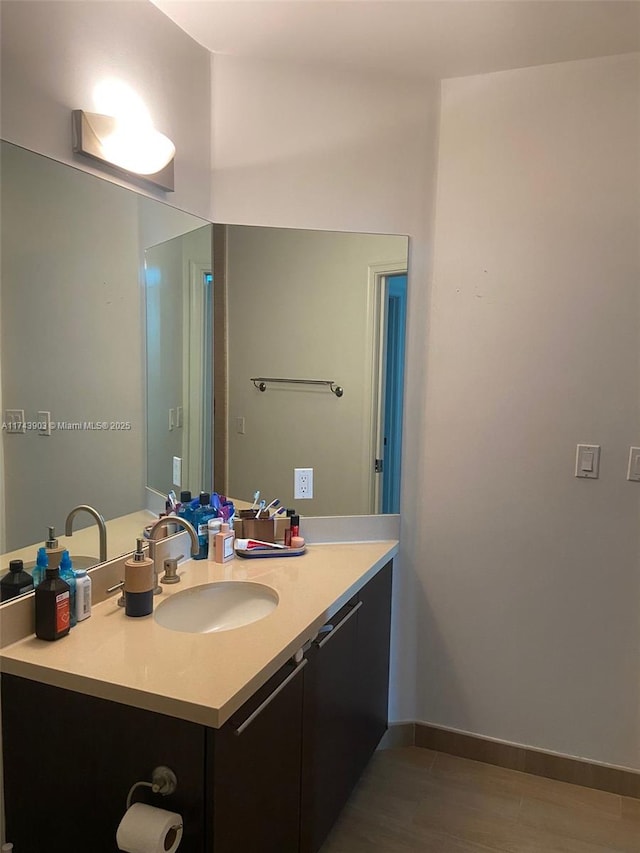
x=194 y=367
x=376 y=346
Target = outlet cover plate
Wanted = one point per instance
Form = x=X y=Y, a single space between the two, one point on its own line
x=177 y=471
x=302 y=484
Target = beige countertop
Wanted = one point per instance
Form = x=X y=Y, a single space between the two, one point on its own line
x=203 y=678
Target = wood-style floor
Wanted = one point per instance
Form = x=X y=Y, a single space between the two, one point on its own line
x=412 y=799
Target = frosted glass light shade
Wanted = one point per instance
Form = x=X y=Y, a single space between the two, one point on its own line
x=138 y=149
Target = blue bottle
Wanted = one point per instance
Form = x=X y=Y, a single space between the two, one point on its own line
x=184 y=507
x=200 y=521
x=41 y=566
x=69 y=576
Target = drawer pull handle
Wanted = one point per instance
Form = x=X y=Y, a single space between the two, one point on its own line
x=270 y=698
x=327 y=637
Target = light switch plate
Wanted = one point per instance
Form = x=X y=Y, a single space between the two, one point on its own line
x=633 y=471
x=44 y=423
x=588 y=461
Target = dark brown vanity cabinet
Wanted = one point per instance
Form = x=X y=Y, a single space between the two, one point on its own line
x=273 y=779
x=346 y=692
x=70 y=759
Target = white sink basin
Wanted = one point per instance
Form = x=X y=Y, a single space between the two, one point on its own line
x=216 y=607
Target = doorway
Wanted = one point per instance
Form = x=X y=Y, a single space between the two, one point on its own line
x=390 y=301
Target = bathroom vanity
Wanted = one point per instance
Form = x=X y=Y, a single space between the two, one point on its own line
x=267 y=726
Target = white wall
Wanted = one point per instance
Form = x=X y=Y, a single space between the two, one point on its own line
x=313 y=148
x=529 y=613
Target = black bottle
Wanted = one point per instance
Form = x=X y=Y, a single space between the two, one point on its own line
x=15 y=582
x=53 y=607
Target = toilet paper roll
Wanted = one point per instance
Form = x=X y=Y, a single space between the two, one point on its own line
x=146 y=829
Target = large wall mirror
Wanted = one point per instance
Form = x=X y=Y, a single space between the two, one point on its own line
x=119 y=319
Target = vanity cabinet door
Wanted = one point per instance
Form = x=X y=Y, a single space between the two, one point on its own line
x=253 y=771
x=331 y=708
x=346 y=696
x=374 y=638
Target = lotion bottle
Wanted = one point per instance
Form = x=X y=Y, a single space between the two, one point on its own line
x=83 y=595
x=224 y=550
x=138 y=583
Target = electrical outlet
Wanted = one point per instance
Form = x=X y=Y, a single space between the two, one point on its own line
x=177 y=471
x=302 y=484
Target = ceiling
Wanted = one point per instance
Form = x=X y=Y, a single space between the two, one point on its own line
x=419 y=38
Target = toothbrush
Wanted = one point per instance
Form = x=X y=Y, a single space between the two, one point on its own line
x=274 y=502
x=279 y=511
x=256 y=495
x=260 y=508
x=274 y=512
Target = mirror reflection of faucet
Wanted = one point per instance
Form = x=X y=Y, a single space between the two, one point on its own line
x=99 y=519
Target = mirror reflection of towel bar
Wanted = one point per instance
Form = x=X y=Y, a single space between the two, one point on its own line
x=261 y=383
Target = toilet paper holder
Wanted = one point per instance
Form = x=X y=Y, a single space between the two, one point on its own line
x=163 y=781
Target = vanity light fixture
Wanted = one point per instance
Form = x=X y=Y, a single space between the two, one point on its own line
x=135 y=148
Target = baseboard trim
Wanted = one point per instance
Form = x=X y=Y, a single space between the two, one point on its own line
x=564 y=768
x=398 y=734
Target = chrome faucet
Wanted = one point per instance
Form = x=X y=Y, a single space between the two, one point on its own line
x=102 y=527
x=171 y=519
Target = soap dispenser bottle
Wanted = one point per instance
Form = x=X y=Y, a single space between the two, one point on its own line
x=41 y=566
x=54 y=551
x=138 y=583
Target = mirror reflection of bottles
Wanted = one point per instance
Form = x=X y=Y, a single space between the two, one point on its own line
x=15 y=582
x=201 y=523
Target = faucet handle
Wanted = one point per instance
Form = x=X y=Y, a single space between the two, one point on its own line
x=171 y=570
x=119 y=585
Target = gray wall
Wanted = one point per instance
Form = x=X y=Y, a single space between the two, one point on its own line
x=300 y=306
